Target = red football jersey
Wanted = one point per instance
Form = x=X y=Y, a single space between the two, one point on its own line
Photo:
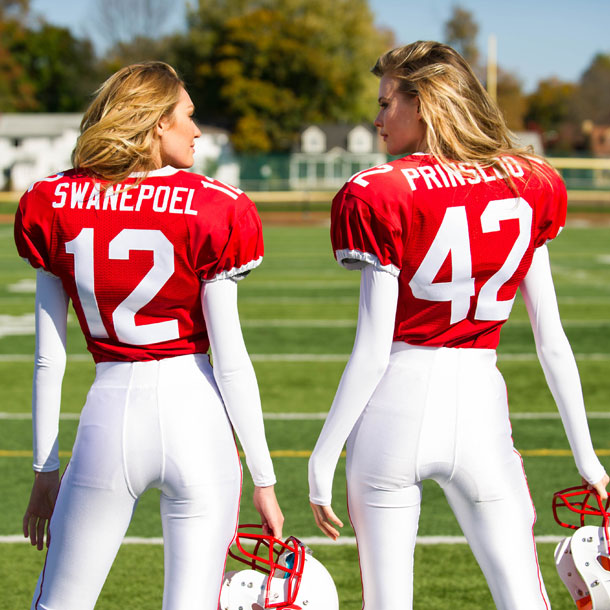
x=458 y=238
x=132 y=256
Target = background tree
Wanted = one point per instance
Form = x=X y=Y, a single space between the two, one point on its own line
x=461 y=33
x=549 y=111
x=131 y=31
x=17 y=91
x=117 y=21
x=593 y=100
x=63 y=68
x=511 y=100
x=16 y=10
x=550 y=104
x=265 y=68
x=42 y=67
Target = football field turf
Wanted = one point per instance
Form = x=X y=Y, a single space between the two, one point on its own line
x=298 y=313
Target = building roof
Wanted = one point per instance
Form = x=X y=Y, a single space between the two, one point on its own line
x=34 y=124
x=337 y=133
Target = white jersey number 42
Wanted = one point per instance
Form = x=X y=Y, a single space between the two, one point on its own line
x=453 y=238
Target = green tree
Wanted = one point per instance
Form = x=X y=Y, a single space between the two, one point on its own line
x=461 y=32
x=550 y=105
x=44 y=68
x=593 y=100
x=511 y=100
x=265 y=68
x=17 y=91
x=62 y=67
x=16 y=10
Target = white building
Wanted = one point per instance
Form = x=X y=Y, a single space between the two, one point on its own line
x=35 y=145
x=328 y=155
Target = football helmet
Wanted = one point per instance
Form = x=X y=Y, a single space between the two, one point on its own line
x=281 y=575
x=583 y=559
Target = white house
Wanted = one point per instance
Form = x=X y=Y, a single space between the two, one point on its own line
x=35 y=145
x=327 y=155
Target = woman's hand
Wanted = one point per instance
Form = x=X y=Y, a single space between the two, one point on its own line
x=268 y=508
x=600 y=486
x=325 y=517
x=40 y=507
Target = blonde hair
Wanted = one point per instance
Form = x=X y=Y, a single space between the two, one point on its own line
x=462 y=122
x=118 y=129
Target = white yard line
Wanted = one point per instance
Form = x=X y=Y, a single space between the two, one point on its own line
x=310 y=541
x=524 y=356
x=320 y=416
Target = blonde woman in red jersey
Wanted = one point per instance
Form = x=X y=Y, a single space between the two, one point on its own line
x=150 y=256
x=444 y=237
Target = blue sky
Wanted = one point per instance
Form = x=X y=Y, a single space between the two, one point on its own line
x=536 y=39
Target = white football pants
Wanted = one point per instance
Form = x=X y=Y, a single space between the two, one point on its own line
x=441 y=414
x=146 y=424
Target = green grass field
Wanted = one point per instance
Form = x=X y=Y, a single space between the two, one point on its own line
x=298 y=312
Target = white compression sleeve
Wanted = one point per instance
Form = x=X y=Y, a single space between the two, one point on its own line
x=558 y=363
x=49 y=367
x=235 y=376
x=363 y=372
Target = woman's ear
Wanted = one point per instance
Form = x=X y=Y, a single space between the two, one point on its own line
x=161 y=126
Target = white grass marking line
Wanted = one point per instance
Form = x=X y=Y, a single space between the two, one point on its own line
x=285 y=323
x=308 y=540
x=318 y=416
x=16 y=325
x=25 y=286
x=525 y=357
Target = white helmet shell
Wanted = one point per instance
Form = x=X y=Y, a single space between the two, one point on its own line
x=289 y=580
x=583 y=564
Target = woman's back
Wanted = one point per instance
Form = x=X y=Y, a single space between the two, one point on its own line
x=132 y=256
x=459 y=235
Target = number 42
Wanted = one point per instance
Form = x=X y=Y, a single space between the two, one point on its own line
x=453 y=238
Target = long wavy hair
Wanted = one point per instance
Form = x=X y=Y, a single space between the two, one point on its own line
x=462 y=122
x=118 y=129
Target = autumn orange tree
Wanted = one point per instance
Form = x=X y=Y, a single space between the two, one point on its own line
x=265 y=68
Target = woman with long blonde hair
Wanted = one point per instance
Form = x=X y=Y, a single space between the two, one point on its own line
x=150 y=256
x=444 y=236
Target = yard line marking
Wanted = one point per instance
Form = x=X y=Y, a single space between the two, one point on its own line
x=295 y=416
x=523 y=356
x=581 y=300
x=18 y=416
x=555 y=415
x=30 y=358
x=299 y=357
x=18 y=453
x=308 y=540
x=299 y=300
x=284 y=323
x=305 y=453
x=567 y=323
x=321 y=415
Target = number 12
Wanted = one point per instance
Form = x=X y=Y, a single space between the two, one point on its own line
x=123 y=317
